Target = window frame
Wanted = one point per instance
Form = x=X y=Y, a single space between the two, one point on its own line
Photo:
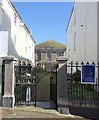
x=38 y=55
x=14 y=39
x=48 y=53
x=15 y=19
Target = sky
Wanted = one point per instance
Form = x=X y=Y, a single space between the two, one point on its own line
x=46 y=20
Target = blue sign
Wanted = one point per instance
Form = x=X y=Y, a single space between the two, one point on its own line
x=88 y=74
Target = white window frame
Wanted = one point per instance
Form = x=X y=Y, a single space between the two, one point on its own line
x=15 y=19
x=14 y=39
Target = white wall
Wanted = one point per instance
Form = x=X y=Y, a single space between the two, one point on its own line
x=86 y=35
x=14 y=27
x=30 y=48
x=8 y=24
x=91 y=38
x=3 y=43
x=16 y=33
x=26 y=43
x=0 y=18
x=98 y=30
x=33 y=52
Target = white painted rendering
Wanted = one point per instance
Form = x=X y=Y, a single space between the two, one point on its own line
x=97 y=30
x=3 y=43
x=27 y=43
x=0 y=19
x=10 y=21
x=82 y=33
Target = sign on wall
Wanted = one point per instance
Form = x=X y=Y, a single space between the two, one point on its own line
x=88 y=75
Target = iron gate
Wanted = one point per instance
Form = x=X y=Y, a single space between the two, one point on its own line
x=1 y=81
x=3 y=71
x=53 y=87
x=25 y=87
x=83 y=99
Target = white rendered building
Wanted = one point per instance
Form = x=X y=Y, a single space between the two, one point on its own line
x=15 y=37
x=82 y=32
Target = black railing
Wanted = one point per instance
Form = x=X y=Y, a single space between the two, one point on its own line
x=25 y=85
x=53 y=91
x=53 y=87
x=79 y=94
x=3 y=81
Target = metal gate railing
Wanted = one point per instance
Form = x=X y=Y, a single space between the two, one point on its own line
x=25 y=92
x=3 y=82
x=83 y=98
x=53 y=87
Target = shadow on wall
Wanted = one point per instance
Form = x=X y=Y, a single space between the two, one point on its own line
x=7 y=27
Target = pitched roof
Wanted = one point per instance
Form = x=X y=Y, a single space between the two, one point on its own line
x=50 y=44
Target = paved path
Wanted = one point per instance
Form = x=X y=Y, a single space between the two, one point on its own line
x=30 y=112
x=44 y=105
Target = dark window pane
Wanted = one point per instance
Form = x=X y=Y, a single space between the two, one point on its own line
x=49 y=56
x=39 y=55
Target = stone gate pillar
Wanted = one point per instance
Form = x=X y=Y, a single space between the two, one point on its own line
x=62 y=95
x=9 y=81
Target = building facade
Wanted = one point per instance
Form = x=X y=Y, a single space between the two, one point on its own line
x=82 y=32
x=48 y=52
x=16 y=39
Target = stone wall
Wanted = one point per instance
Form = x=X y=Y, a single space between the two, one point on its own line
x=62 y=86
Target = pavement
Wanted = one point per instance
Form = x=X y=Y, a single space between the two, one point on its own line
x=35 y=112
x=42 y=110
x=45 y=105
x=48 y=105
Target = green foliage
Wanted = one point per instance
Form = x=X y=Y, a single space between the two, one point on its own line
x=78 y=91
x=21 y=92
x=42 y=78
x=76 y=76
